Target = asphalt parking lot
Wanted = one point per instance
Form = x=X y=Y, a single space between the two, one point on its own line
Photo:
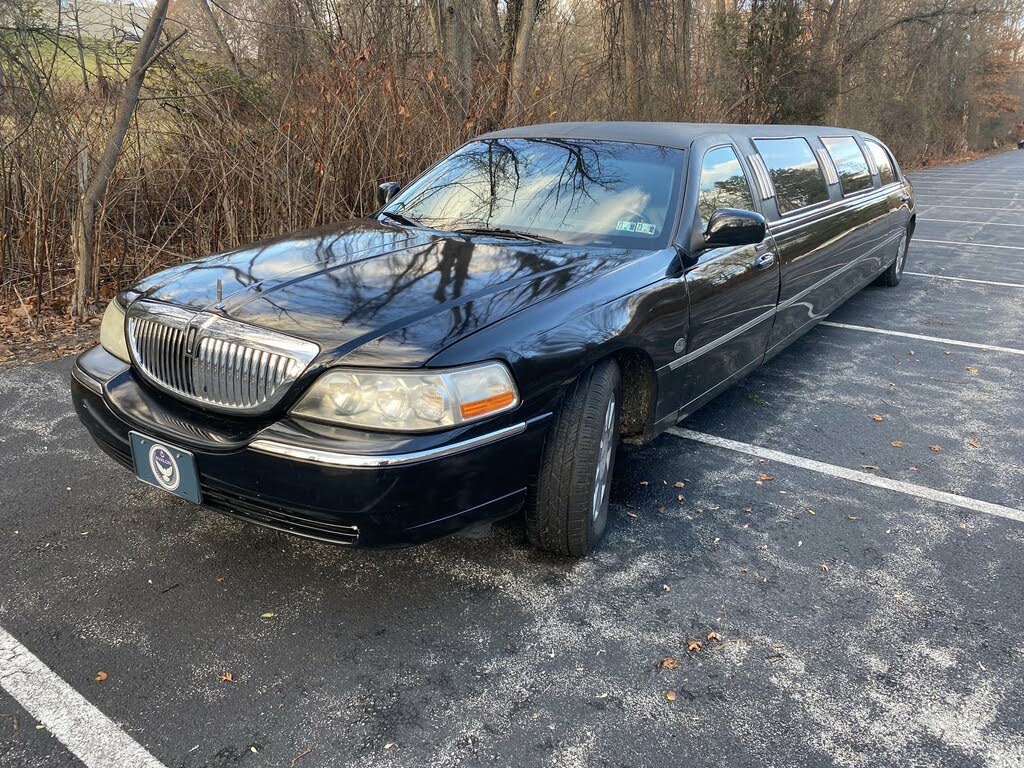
x=837 y=584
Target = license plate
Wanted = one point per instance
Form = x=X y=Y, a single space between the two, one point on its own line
x=165 y=466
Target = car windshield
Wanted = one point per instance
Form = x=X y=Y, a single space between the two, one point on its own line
x=573 y=191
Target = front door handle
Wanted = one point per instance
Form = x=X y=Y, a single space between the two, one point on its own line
x=764 y=261
x=904 y=198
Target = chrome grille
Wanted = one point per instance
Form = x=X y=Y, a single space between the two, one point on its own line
x=214 y=361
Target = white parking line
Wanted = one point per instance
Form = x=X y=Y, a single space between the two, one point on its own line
x=983 y=186
x=864 y=478
x=964 y=221
x=967 y=207
x=921 y=195
x=977 y=245
x=920 y=337
x=966 y=280
x=90 y=735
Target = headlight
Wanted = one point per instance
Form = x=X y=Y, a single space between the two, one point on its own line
x=399 y=401
x=112 y=331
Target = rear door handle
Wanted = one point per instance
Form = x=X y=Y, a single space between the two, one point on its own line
x=764 y=261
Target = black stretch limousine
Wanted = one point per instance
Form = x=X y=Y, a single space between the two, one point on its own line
x=480 y=345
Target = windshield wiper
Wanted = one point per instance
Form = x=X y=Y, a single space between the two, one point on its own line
x=401 y=218
x=512 y=234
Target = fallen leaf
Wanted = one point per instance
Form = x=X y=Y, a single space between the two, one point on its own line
x=971 y=370
x=267 y=616
x=220 y=579
x=852 y=517
x=714 y=636
x=227 y=677
x=963 y=526
x=876 y=417
x=661 y=509
x=824 y=568
x=101 y=676
x=631 y=513
x=765 y=477
x=693 y=646
x=935 y=448
x=868 y=467
x=896 y=443
x=679 y=484
x=811 y=512
x=669 y=663
x=973 y=443
x=670 y=695
x=748 y=509
x=301 y=755
x=680 y=497
x=666 y=588
x=644 y=482
x=948 y=352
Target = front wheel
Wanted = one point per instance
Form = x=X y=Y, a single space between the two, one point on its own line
x=891 y=277
x=568 y=511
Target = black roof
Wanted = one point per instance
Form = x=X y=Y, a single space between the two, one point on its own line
x=678 y=135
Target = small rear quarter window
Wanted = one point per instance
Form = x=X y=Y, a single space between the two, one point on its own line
x=852 y=167
x=881 y=157
x=794 y=171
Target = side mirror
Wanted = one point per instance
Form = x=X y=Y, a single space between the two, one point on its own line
x=732 y=226
x=386 y=192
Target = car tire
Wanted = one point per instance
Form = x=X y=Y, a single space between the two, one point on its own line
x=568 y=510
x=891 y=277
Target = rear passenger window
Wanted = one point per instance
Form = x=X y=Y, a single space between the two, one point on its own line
x=722 y=183
x=795 y=172
x=885 y=170
x=854 y=174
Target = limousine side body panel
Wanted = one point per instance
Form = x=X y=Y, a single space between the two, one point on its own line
x=825 y=255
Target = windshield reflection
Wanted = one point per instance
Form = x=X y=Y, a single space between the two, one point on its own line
x=596 y=192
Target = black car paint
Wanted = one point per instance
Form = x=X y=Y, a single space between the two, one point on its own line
x=685 y=322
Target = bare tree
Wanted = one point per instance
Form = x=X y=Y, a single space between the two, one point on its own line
x=86 y=265
x=450 y=21
x=218 y=35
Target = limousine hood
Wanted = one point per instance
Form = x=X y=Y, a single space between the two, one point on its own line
x=379 y=295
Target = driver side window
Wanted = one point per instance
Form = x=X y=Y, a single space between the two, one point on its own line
x=722 y=184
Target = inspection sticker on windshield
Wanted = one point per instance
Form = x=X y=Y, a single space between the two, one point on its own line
x=640 y=227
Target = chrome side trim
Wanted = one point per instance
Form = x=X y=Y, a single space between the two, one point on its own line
x=689 y=357
x=720 y=340
x=764 y=181
x=872 y=165
x=803 y=216
x=825 y=159
x=841 y=271
x=368 y=461
x=86 y=380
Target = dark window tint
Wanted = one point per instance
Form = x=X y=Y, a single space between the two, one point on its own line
x=854 y=174
x=795 y=172
x=881 y=158
x=722 y=183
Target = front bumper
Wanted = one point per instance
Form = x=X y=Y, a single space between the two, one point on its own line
x=318 y=482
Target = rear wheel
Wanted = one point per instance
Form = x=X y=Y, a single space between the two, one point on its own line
x=569 y=509
x=891 y=277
